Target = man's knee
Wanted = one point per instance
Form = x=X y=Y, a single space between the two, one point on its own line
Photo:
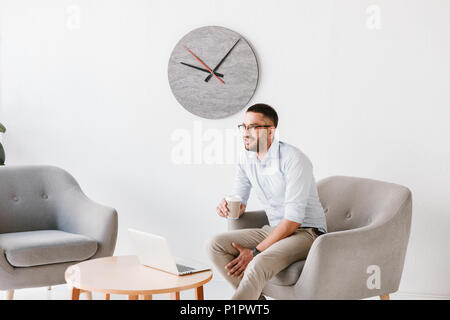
x=217 y=243
x=211 y=245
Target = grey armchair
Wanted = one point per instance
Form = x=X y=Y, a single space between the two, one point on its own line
x=47 y=224
x=368 y=225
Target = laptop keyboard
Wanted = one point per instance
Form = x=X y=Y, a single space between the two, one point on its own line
x=182 y=268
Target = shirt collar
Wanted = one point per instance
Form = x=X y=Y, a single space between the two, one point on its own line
x=272 y=153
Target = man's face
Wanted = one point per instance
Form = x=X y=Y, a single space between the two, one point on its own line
x=257 y=140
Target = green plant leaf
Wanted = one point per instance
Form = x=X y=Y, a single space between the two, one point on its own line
x=2 y=155
x=2 y=128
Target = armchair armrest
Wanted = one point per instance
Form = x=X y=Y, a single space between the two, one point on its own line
x=6 y=271
x=341 y=265
x=249 y=219
x=5 y=267
x=78 y=214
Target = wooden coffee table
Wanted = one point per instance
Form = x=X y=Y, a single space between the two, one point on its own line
x=125 y=275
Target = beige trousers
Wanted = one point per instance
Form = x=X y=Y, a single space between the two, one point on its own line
x=265 y=265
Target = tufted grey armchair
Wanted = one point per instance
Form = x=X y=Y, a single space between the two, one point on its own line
x=47 y=224
x=363 y=253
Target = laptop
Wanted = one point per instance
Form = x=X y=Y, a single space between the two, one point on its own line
x=153 y=251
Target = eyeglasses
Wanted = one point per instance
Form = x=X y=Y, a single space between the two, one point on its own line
x=252 y=127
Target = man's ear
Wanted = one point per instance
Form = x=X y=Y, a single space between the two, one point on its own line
x=272 y=133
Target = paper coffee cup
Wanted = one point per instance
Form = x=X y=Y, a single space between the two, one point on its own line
x=234 y=206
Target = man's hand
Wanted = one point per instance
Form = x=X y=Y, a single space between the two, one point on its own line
x=223 y=211
x=222 y=208
x=238 y=265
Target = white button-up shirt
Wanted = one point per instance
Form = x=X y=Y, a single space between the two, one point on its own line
x=284 y=183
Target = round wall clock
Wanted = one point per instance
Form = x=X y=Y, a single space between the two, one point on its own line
x=213 y=72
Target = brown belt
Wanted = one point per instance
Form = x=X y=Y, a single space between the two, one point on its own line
x=318 y=232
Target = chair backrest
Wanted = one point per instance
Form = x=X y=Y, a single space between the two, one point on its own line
x=28 y=196
x=351 y=202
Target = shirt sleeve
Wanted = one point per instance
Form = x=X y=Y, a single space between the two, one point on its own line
x=299 y=176
x=242 y=184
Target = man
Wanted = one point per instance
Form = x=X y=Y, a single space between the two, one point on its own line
x=282 y=177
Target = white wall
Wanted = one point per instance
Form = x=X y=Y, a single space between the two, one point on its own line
x=94 y=99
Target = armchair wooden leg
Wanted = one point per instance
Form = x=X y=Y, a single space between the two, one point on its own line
x=9 y=295
x=384 y=297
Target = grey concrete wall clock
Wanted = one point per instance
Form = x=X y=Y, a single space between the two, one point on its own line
x=213 y=72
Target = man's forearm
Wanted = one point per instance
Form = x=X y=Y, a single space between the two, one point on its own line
x=284 y=229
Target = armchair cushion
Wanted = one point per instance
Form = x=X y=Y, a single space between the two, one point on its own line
x=289 y=275
x=35 y=248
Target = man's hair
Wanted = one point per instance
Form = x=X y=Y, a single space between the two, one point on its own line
x=266 y=110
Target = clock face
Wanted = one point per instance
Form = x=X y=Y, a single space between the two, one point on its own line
x=213 y=72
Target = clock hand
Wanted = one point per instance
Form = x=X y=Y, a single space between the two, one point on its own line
x=201 y=69
x=223 y=59
x=199 y=60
